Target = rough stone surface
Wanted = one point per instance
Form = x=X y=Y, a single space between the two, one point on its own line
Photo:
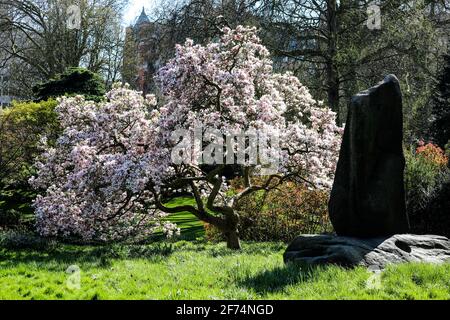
x=374 y=252
x=368 y=197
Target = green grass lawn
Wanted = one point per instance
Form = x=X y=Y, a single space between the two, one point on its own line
x=198 y=270
x=33 y=268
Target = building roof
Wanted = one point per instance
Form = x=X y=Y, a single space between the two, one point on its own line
x=142 y=18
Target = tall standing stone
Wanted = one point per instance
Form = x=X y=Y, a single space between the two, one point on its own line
x=368 y=196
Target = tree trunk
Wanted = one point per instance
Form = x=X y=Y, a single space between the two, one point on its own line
x=231 y=229
x=233 y=239
x=333 y=90
x=332 y=74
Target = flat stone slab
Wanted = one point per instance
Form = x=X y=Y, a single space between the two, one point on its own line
x=370 y=252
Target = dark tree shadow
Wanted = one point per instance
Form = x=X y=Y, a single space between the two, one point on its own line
x=52 y=255
x=277 y=279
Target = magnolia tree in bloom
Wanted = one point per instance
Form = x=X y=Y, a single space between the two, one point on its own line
x=118 y=162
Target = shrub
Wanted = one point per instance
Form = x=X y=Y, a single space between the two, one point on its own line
x=74 y=81
x=432 y=153
x=426 y=174
x=21 y=128
x=281 y=215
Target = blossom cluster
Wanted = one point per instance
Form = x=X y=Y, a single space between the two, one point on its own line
x=229 y=85
x=96 y=177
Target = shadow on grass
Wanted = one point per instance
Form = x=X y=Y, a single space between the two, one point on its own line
x=248 y=248
x=278 y=279
x=55 y=254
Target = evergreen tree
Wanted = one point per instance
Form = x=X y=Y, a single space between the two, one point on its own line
x=72 y=82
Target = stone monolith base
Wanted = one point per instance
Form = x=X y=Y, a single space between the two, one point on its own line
x=369 y=252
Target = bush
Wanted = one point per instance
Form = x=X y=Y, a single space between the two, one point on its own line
x=21 y=128
x=280 y=215
x=74 y=81
x=433 y=154
x=426 y=175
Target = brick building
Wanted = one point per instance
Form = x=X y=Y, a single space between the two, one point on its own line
x=140 y=59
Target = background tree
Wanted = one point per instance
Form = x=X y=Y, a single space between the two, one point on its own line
x=440 y=125
x=72 y=82
x=111 y=67
x=328 y=45
x=337 y=55
x=37 y=39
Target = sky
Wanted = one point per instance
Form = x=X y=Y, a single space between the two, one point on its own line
x=134 y=9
